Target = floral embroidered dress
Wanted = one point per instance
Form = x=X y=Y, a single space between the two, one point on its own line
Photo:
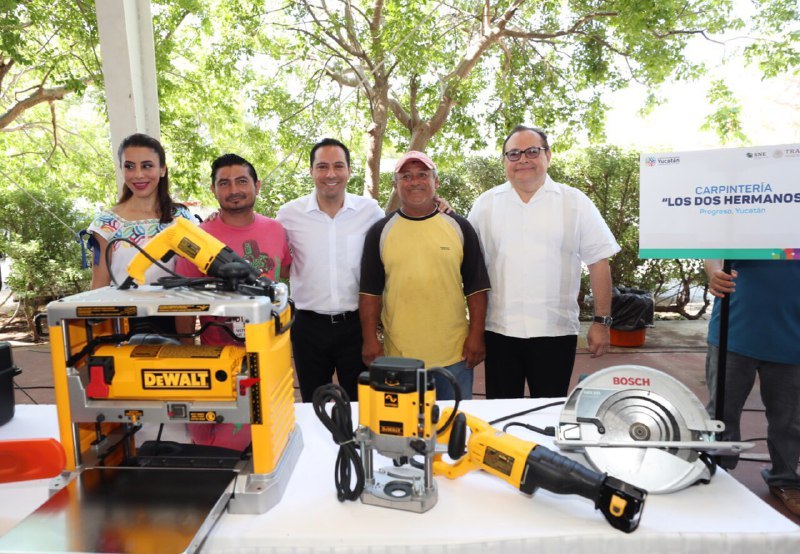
x=109 y=225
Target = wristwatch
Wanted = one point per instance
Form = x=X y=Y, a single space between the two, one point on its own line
x=606 y=320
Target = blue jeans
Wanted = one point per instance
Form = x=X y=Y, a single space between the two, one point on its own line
x=780 y=391
x=463 y=375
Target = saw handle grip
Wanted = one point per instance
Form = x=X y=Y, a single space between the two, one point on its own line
x=556 y=473
x=620 y=503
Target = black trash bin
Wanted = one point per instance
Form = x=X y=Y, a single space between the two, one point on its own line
x=7 y=373
x=633 y=311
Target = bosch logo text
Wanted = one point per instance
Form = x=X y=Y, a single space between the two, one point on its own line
x=631 y=381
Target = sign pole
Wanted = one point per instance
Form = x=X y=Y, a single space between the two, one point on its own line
x=722 y=352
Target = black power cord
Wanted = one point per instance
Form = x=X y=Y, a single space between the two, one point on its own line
x=340 y=423
x=549 y=431
x=526 y=412
x=456 y=393
x=152 y=260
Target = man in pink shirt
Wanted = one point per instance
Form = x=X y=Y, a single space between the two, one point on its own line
x=259 y=240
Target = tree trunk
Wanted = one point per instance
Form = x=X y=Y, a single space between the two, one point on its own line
x=376 y=131
x=372 y=171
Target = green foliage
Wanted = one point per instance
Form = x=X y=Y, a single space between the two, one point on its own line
x=280 y=187
x=54 y=40
x=46 y=255
x=777 y=50
x=726 y=119
x=555 y=81
x=609 y=176
x=356 y=185
x=467 y=180
x=78 y=166
x=256 y=78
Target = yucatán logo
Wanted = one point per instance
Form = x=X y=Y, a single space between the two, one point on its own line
x=195 y=379
x=653 y=161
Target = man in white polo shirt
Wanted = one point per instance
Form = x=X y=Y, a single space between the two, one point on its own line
x=535 y=233
x=326 y=230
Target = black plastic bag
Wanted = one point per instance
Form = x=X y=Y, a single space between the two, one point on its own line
x=632 y=309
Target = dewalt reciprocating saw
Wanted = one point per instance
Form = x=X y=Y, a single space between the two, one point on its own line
x=529 y=466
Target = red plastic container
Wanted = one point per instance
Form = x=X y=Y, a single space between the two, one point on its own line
x=627 y=338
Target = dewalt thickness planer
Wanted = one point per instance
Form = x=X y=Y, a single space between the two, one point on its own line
x=113 y=385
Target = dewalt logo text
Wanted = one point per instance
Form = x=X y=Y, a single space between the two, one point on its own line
x=390 y=428
x=176 y=379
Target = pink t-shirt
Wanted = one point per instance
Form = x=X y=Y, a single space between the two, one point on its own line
x=263 y=243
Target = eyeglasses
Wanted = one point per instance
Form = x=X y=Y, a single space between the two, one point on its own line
x=531 y=153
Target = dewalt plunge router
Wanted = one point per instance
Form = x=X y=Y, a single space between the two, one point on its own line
x=397 y=417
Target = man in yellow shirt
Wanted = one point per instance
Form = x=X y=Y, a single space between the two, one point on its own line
x=417 y=268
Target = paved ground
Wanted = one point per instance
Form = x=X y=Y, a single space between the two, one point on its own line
x=675 y=347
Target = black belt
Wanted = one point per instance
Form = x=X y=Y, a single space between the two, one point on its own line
x=332 y=318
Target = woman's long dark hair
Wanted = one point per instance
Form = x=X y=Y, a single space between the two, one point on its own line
x=165 y=206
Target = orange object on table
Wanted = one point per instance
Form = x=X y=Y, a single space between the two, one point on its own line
x=26 y=459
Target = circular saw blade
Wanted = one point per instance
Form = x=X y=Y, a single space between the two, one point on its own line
x=641 y=416
x=638 y=416
x=652 y=469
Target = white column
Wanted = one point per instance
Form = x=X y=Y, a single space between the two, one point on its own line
x=129 y=70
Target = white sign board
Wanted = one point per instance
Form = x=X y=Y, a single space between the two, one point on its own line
x=734 y=203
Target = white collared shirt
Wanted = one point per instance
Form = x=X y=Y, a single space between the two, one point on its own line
x=533 y=252
x=326 y=252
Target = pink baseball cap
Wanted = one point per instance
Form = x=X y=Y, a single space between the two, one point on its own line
x=414 y=155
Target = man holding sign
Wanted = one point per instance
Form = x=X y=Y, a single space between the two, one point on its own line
x=763 y=339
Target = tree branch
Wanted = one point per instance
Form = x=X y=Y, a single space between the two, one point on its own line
x=39 y=96
x=530 y=35
x=171 y=32
x=349 y=25
x=343 y=80
x=400 y=113
x=336 y=53
x=333 y=36
x=412 y=101
x=685 y=32
x=5 y=67
x=377 y=16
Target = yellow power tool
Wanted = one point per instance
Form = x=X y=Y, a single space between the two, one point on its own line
x=189 y=241
x=529 y=466
x=397 y=418
x=117 y=390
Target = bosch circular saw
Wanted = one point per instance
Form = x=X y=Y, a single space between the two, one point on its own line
x=644 y=427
